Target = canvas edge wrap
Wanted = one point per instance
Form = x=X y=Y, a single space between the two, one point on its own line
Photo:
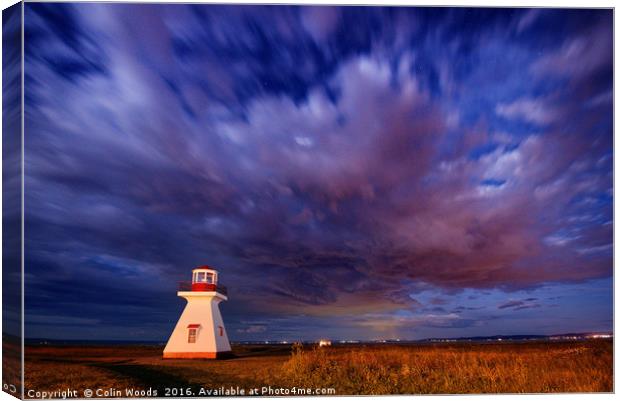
x=12 y=206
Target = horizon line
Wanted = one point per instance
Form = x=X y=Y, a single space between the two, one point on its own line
x=585 y=334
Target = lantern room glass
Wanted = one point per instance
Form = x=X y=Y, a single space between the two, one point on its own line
x=204 y=277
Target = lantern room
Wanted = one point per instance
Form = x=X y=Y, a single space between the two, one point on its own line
x=204 y=278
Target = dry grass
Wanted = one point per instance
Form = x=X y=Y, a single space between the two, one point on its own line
x=381 y=369
x=457 y=369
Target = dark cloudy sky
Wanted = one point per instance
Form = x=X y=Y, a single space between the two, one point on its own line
x=352 y=172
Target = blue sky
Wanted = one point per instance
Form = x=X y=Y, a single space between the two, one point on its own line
x=353 y=172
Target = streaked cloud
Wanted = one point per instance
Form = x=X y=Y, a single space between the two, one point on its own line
x=338 y=165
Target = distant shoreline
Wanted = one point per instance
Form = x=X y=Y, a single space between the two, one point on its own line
x=478 y=339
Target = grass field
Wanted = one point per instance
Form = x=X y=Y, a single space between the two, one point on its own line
x=541 y=367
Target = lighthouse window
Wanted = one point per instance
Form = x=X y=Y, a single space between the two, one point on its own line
x=221 y=330
x=200 y=277
x=210 y=278
x=191 y=338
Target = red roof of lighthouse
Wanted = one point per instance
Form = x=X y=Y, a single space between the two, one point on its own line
x=204 y=267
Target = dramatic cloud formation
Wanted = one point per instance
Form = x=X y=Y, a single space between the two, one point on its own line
x=353 y=172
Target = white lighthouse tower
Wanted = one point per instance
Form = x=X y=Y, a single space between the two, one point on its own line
x=200 y=331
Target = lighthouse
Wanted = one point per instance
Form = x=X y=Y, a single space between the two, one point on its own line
x=200 y=331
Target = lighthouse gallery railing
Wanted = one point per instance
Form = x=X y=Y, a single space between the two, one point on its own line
x=189 y=286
